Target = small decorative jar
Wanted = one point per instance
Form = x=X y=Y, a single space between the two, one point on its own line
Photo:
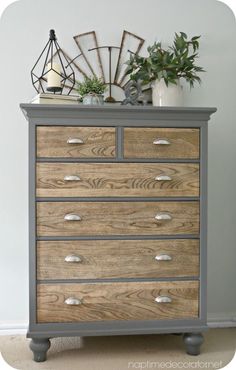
x=93 y=99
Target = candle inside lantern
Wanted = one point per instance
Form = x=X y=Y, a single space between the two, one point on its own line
x=54 y=77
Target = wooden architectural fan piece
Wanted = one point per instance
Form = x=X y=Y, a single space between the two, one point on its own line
x=130 y=43
x=88 y=41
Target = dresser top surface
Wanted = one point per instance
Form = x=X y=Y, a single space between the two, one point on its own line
x=115 y=111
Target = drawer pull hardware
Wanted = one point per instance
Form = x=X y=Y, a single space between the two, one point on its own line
x=163 y=178
x=71 y=178
x=73 y=258
x=74 y=140
x=163 y=217
x=72 y=217
x=163 y=299
x=161 y=141
x=163 y=257
x=71 y=301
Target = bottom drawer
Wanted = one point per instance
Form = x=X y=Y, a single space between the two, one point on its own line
x=117 y=301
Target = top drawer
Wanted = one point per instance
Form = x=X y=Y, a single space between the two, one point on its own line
x=177 y=143
x=75 y=142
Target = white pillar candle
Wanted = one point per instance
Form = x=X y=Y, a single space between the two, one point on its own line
x=54 y=79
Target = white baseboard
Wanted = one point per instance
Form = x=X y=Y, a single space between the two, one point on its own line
x=214 y=321
x=221 y=320
x=13 y=329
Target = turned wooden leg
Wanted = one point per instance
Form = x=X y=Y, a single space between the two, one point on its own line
x=193 y=342
x=39 y=347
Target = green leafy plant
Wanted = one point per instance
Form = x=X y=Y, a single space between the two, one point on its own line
x=171 y=64
x=91 y=85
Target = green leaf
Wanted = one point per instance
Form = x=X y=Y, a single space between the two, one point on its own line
x=195 y=38
x=184 y=35
x=164 y=74
x=159 y=75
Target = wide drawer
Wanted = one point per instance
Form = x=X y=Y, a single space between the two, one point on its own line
x=75 y=142
x=177 y=143
x=117 y=301
x=98 y=259
x=117 y=179
x=117 y=218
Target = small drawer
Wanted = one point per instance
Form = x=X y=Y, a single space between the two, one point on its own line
x=107 y=259
x=177 y=143
x=75 y=142
x=117 y=301
x=117 y=218
x=117 y=179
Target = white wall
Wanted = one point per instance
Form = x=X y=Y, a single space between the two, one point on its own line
x=24 y=31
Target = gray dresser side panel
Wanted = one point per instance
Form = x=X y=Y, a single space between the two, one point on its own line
x=32 y=224
x=203 y=222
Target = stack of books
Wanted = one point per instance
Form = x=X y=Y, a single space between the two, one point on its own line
x=44 y=98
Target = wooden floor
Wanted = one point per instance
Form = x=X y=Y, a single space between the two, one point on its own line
x=121 y=352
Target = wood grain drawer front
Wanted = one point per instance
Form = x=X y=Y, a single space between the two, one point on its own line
x=117 y=301
x=117 y=179
x=75 y=142
x=117 y=218
x=101 y=259
x=177 y=143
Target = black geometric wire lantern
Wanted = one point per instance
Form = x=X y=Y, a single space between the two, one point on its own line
x=53 y=69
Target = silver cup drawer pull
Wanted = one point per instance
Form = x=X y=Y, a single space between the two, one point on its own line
x=163 y=178
x=161 y=141
x=163 y=299
x=163 y=217
x=71 y=301
x=72 y=217
x=71 y=178
x=74 y=140
x=73 y=258
x=163 y=257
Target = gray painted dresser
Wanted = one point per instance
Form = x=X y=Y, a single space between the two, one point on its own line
x=118 y=222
